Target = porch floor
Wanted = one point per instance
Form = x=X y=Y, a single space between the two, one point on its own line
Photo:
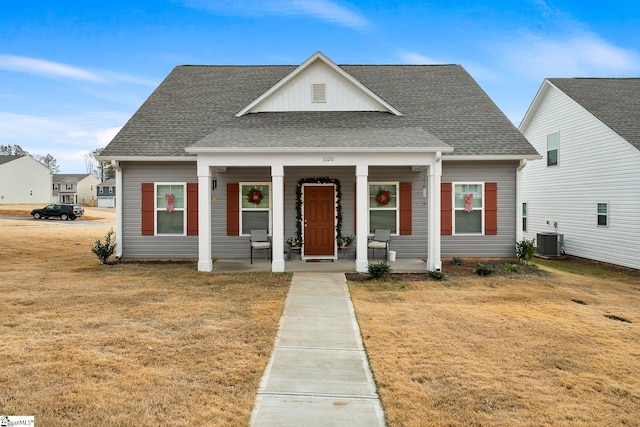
x=404 y=265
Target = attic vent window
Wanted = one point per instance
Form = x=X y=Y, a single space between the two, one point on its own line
x=319 y=92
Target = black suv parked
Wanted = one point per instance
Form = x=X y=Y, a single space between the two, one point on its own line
x=64 y=212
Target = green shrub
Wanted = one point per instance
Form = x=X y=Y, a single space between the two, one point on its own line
x=437 y=275
x=457 y=260
x=525 y=249
x=104 y=251
x=510 y=267
x=485 y=269
x=379 y=270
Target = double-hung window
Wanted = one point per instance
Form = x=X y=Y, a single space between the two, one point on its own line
x=553 y=142
x=603 y=214
x=468 y=208
x=255 y=206
x=170 y=208
x=524 y=216
x=383 y=206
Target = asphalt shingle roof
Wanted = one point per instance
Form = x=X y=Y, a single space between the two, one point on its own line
x=614 y=101
x=441 y=106
x=9 y=158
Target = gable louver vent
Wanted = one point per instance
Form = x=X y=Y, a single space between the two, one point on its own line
x=319 y=92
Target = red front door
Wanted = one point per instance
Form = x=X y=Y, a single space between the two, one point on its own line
x=319 y=220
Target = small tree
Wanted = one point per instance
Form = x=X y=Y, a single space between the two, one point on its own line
x=525 y=249
x=104 y=251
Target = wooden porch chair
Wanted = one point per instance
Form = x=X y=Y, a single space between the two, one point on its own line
x=260 y=240
x=380 y=240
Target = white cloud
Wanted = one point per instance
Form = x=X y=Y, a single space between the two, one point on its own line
x=325 y=10
x=42 y=67
x=417 y=58
x=65 y=138
x=579 y=54
x=46 y=68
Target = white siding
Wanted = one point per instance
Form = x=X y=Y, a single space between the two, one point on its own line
x=340 y=94
x=25 y=180
x=595 y=165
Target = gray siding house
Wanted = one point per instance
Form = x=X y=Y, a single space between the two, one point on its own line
x=316 y=152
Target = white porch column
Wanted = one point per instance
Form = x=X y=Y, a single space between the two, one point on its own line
x=204 y=218
x=434 y=263
x=277 y=228
x=362 y=222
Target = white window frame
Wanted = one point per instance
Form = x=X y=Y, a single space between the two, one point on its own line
x=68 y=187
x=100 y=190
x=182 y=209
x=110 y=190
x=557 y=149
x=380 y=208
x=270 y=208
x=525 y=215
x=454 y=208
x=606 y=214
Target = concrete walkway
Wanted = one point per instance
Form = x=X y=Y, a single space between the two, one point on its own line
x=318 y=374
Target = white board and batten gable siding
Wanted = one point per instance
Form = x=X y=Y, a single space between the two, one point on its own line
x=318 y=84
x=595 y=165
x=298 y=94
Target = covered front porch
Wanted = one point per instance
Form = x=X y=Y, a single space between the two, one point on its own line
x=243 y=265
x=223 y=173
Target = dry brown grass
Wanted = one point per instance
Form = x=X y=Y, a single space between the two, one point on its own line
x=128 y=344
x=505 y=351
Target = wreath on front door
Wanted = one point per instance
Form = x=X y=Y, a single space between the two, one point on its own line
x=383 y=197
x=255 y=196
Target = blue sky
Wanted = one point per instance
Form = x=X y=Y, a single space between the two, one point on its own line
x=73 y=72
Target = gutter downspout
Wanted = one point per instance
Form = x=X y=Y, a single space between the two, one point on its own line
x=116 y=166
x=519 y=232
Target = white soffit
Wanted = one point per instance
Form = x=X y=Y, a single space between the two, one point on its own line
x=295 y=92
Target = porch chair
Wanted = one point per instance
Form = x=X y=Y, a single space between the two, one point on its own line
x=380 y=240
x=260 y=240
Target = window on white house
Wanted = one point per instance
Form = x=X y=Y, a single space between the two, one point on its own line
x=603 y=214
x=110 y=190
x=69 y=187
x=55 y=187
x=255 y=206
x=100 y=190
x=468 y=208
x=170 y=208
x=383 y=206
x=553 y=142
x=524 y=216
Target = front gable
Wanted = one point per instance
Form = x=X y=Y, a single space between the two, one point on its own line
x=318 y=84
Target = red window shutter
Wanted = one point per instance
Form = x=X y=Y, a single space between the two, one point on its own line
x=446 y=214
x=490 y=208
x=192 y=209
x=405 y=208
x=233 y=209
x=148 y=214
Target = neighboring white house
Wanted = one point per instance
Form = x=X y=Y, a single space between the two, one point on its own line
x=587 y=186
x=74 y=188
x=23 y=179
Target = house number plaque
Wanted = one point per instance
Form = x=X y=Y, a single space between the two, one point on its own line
x=326 y=159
